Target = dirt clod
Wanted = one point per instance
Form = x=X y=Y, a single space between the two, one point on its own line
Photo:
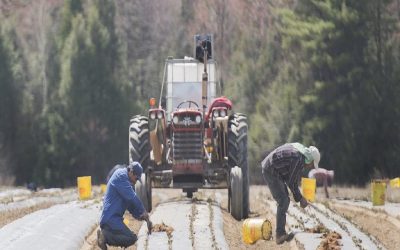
x=330 y=241
x=318 y=229
x=162 y=228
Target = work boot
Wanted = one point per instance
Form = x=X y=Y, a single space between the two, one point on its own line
x=101 y=241
x=285 y=237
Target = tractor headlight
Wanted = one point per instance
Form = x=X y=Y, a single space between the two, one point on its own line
x=198 y=119
x=215 y=113
x=222 y=112
x=152 y=115
x=159 y=115
x=175 y=119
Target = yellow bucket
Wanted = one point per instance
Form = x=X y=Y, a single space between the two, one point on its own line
x=378 y=189
x=254 y=229
x=85 y=187
x=308 y=188
x=395 y=183
x=103 y=188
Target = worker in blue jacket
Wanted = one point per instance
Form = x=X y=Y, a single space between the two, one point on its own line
x=119 y=197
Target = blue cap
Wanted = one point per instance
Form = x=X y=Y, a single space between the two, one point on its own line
x=137 y=169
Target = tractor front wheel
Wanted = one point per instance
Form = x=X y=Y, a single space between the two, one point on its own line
x=236 y=194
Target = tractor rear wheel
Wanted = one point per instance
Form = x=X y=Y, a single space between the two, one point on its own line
x=139 y=150
x=237 y=154
x=139 y=142
x=236 y=199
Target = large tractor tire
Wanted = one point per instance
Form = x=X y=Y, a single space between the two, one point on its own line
x=139 y=150
x=237 y=154
x=139 y=142
x=144 y=191
x=236 y=194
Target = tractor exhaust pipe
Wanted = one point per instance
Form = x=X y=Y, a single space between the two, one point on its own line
x=204 y=83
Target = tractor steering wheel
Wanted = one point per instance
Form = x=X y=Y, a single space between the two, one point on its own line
x=189 y=104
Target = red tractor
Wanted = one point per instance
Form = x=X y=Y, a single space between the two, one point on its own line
x=192 y=140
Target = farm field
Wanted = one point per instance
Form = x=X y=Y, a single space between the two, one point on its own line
x=346 y=221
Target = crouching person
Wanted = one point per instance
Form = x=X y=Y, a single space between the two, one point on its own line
x=120 y=196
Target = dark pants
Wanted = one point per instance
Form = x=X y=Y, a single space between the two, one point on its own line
x=120 y=238
x=280 y=193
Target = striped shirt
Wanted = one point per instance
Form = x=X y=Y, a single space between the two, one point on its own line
x=287 y=163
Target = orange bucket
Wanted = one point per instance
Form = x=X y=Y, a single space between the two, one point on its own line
x=254 y=229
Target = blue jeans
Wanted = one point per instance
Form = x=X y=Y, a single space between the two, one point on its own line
x=280 y=193
x=121 y=238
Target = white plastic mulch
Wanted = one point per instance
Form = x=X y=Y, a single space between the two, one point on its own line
x=299 y=220
x=63 y=226
x=186 y=234
x=54 y=196
x=392 y=209
x=8 y=194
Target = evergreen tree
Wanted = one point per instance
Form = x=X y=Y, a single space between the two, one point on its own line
x=89 y=126
x=16 y=112
x=342 y=100
x=9 y=108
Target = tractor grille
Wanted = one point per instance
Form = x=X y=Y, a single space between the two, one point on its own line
x=187 y=145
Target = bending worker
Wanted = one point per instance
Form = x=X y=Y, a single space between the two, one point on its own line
x=119 y=197
x=322 y=177
x=282 y=168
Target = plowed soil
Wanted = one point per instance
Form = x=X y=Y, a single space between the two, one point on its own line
x=374 y=222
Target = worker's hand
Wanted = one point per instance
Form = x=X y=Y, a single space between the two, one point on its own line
x=149 y=226
x=303 y=203
x=144 y=216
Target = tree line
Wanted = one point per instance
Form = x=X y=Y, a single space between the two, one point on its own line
x=320 y=72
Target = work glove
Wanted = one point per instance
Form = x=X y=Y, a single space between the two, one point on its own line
x=303 y=203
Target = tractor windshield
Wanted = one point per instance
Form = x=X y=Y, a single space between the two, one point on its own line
x=184 y=82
